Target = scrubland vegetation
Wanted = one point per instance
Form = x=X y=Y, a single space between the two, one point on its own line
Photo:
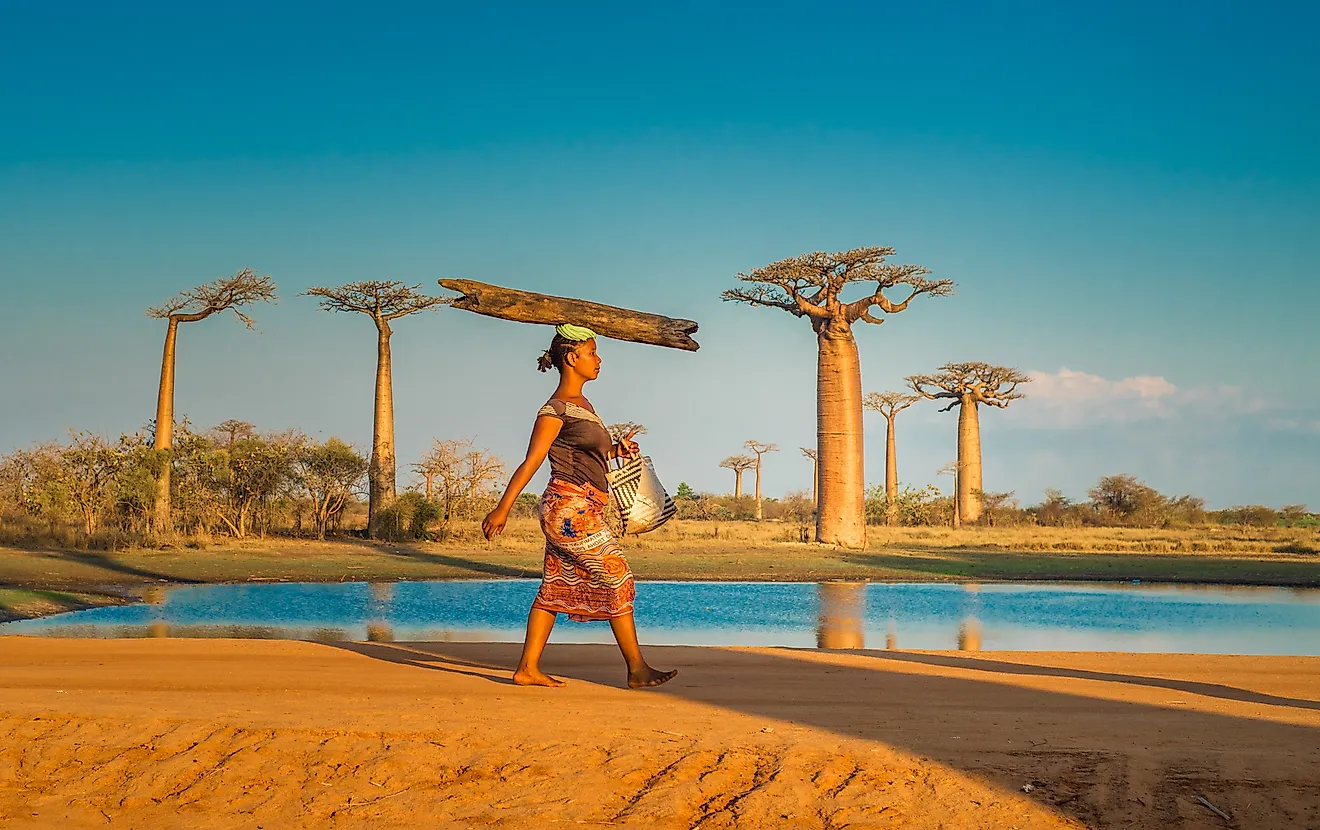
x=231 y=482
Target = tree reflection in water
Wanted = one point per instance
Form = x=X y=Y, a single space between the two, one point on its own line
x=969 y=635
x=379 y=628
x=842 y=615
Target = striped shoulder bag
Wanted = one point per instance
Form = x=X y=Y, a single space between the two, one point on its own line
x=638 y=495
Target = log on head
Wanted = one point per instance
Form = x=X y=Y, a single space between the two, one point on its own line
x=605 y=320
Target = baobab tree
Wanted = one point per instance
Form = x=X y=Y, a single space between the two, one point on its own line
x=739 y=464
x=383 y=302
x=967 y=386
x=812 y=286
x=223 y=294
x=760 y=450
x=889 y=404
x=810 y=452
x=232 y=430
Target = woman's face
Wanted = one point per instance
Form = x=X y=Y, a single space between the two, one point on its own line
x=585 y=361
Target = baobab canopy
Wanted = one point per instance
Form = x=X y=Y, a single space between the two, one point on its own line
x=601 y=320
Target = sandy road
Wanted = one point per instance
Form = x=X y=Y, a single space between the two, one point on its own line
x=271 y=734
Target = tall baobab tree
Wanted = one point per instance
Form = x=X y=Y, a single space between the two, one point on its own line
x=967 y=386
x=889 y=404
x=812 y=286
x=739 y=464
x=223 y=294
x=383 y=302
x=810 y=452
x=760 y=450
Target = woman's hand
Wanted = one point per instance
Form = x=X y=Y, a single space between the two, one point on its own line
x=493 y=524
x=627 y=448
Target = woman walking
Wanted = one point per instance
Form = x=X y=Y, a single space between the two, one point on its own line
x=584 y=576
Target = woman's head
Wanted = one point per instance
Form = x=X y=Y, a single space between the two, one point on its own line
x=572 y=349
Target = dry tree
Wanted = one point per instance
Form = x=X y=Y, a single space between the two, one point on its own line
x=739 y=464
x=967 y=386
x=223 y=294
x=812 y=286
x=461 y=471
x=810 y=452
x=889 y=404
x=760 y=449
x=383 y=302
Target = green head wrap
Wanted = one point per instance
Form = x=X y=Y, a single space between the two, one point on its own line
x=575 y=333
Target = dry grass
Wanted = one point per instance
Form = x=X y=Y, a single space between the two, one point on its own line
x=680 y=535
x=1204 y=539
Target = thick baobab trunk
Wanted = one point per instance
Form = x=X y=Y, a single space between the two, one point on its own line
x=891 y=474
x=841 y=514
x=737 y=484
x=160 y=519
x=381 y=471
x=969 y=461
x=758 y=489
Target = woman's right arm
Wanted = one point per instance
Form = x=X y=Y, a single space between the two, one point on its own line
x=544 y=432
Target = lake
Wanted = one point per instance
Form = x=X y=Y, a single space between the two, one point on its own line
x=1031 y=617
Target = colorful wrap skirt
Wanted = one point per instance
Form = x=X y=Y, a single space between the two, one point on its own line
x=585 y=575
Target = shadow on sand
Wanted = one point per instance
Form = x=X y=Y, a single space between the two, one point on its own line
x=1102 y=760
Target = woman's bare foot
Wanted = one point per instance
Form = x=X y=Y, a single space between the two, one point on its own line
x=524 y=677
x=648 y=677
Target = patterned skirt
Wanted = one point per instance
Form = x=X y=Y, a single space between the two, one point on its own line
x=585 y=575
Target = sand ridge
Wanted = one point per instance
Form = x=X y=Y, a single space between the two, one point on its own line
x=224 y=733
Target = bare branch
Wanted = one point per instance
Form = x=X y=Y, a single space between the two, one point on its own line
x=223 y=294
x=382 y=300
x=769 y=297
x=888 y=276
x=809 y=452
x=759 y=448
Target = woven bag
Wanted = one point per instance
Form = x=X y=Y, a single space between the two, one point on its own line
x=640 y=498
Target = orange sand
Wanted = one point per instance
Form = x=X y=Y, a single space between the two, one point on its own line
x=270 y=734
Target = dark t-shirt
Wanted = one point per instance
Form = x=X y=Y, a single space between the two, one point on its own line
x=580 y=453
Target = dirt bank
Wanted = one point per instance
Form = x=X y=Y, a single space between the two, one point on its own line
x=246 y=734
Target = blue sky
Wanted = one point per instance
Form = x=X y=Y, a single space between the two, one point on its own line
x=1128 y=198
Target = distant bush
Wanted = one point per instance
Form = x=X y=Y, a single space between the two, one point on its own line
x=1253 y=515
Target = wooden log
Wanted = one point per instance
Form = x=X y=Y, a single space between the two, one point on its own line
x=605 y=320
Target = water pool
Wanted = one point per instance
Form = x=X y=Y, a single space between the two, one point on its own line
x=1068 y=617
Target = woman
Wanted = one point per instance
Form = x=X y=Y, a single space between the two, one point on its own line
x=584 y=575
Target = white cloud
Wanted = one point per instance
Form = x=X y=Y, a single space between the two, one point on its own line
x=1294 y=424
x=1069 y=398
